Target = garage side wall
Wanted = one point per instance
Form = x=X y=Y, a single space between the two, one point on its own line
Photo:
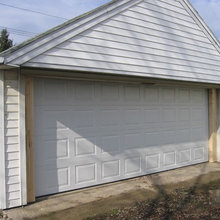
x=12 y=140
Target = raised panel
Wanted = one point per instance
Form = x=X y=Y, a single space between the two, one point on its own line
x=110 y=169
x=85 y=173
x=152 y=139
x=110 y=117
x=59 y=178
x=169 y=158
x=169 y=137
x=152 y=161
x=84 y=118
x=197 y=114
x=85 y=146
x=57 y=149
x=132 y=141
x=184 y=115
x=199 y=153
x=152 y=115
x=84 y=91
x=168 y=95
x=110 y=144
x=197 y=96
x=183 y=135
x=185 y=156
x=132 y=165
x=184 y=96
x=110 y=92
x=132 y=93
x=132 y=116
x=151 y=95
x=169 y=114
x=54 y=119
x=55 y=94
x=199 y=134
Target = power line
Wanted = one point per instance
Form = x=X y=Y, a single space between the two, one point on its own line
x=19 y=32
x=37 y=12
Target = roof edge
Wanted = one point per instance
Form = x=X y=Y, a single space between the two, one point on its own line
x=214 y=40
x=75 y=19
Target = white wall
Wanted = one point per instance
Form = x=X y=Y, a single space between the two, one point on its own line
x=153 y=38
x=12 y=140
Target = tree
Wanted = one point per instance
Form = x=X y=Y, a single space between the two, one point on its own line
x=5 y=42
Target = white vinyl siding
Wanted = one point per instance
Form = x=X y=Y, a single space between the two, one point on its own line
x=152 y=38
x=12 y=141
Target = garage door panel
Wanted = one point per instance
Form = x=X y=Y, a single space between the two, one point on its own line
x=132 y=165
x=152 y=161
x=96 y=132
x=110 y=93
x=199 y=153
x=151 y=96
x=110 y=143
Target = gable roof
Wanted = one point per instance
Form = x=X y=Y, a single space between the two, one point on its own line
x=57 y=33
x=35 y=52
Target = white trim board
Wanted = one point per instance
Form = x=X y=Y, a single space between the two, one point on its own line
x=2 y=145
x=22 y=140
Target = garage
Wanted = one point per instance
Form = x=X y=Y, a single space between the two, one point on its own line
x=128 y=89
x=89 y=133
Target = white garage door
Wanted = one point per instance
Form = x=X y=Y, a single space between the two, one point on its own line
x=89 y=133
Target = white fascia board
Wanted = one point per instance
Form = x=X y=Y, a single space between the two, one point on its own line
x=66 y=32
x=199 y=20
x=2 y=145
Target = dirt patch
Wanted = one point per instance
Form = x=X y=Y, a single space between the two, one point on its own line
x=194 y=199
x=101 y=206
x=202 y=202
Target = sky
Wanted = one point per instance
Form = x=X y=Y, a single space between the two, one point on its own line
x=23 y=25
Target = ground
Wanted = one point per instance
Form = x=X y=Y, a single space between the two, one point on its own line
x=191 y=192
x=182 y=203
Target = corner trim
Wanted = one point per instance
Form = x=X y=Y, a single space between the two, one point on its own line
x=213 y=125
x=3 y=204
x=22 y=139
